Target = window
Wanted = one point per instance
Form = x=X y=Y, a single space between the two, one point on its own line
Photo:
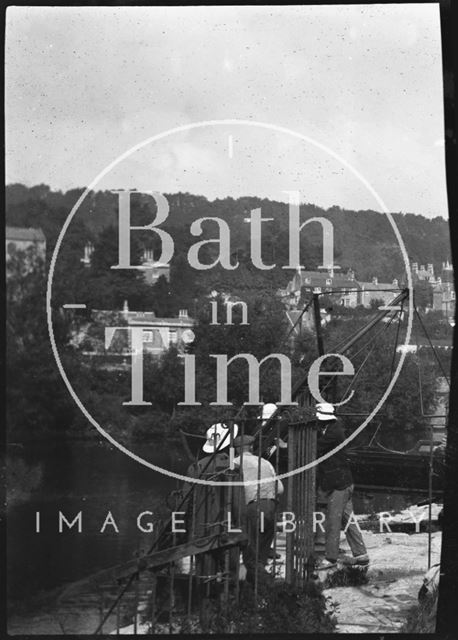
x=328 y=281
x=147 y=336
x=173 y=336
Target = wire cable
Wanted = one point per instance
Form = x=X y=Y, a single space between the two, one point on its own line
x=432 y=347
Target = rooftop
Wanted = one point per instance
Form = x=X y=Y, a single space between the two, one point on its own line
x=21 y=233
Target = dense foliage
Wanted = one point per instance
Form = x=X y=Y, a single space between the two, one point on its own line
x=37 y=397
x=364 y=240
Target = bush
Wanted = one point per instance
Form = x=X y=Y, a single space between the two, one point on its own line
x=282 y=609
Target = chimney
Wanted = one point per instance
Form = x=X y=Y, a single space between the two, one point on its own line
x=183 y=313
x=125 y=308
x=431 y=269
x=395 y=282
x=148 y=255
x=351 y=274
x=375 y=280
x=414 y=267
x=88 y=251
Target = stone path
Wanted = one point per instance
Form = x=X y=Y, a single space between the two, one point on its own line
x=398 y=564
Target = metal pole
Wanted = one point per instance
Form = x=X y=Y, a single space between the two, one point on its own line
x=136 y=603
x=430 y=493
x=289 y=536
x=258 y=512
x=317 y=317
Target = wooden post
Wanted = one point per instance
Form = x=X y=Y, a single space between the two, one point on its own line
x=289 y=568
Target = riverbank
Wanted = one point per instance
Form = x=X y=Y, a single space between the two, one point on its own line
x=381 y=605
x=398 y=563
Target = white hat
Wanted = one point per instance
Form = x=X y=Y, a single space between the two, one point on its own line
x=215 y=434
x=267 y=411
x=325 y=411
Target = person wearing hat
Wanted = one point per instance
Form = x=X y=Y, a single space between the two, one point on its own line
x=268 y=410
x=206 y=507
x=217 y=440
x=216 y=445
x=260 y=498
x=335 y=489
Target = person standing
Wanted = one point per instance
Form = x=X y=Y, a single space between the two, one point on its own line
x=335 y=489
x=260 y=501
x=206 y=505
x=209 y=507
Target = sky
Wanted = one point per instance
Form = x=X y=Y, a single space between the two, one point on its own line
x=356 y=90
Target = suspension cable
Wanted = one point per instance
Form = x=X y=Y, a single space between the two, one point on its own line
x=337 y=346
x=373 y=339
x=396 y=341
x=432 y=347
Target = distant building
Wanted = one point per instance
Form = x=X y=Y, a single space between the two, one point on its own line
x=447 y=272
x=443 y=288
x=30 y=246
x=375 y=290
x=444 y=298
x=88 y=251
x=161 y=333
x=341 y=286
x=21 y=239
x=422 y=272
x=154 y=269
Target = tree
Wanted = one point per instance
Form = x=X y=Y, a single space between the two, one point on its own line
x=423 y=294
x=37 y=399
x=107 y=288
x=375 y=359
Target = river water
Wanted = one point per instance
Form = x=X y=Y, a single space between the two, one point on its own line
x=93 y=478
x=72 y=477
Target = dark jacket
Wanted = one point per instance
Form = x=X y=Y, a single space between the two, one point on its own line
x=207 y=504
x=334 y=472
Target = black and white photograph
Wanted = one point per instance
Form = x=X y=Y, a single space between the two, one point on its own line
x=230 y=310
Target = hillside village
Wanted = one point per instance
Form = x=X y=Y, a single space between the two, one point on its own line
x=342 y=287
x=174 y=306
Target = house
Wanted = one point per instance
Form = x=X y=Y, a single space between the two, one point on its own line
x=375 y=290
x=22 y=239
x=161 y=333
x=342 y=287
x=422 y=273
x=153 y=268
x=447 y=272
x=89 y=336
x=444 y=298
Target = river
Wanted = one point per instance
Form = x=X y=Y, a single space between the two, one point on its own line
x=93 y=478
x=72 y=477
